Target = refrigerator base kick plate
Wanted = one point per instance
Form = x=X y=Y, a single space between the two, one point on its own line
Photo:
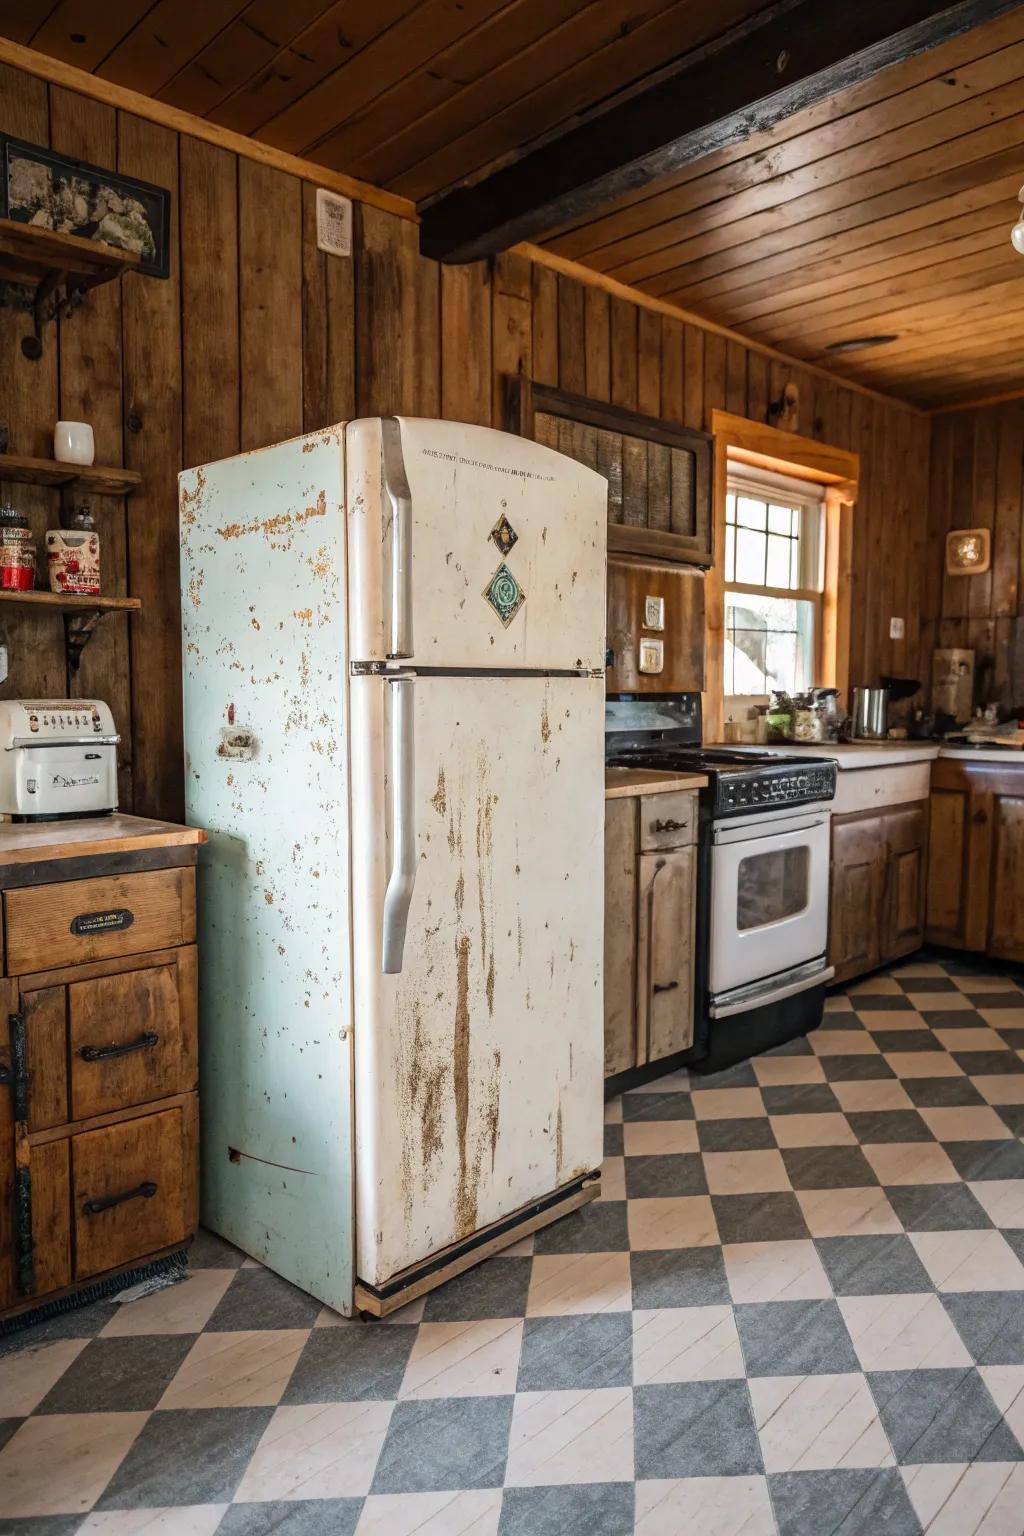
x=419 y=1278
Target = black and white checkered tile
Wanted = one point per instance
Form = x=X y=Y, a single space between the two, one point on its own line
x=798 y=1308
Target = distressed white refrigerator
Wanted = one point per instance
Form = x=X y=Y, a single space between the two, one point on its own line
x=393 y=637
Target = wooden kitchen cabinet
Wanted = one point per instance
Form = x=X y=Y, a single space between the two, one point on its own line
x=976 y=857
x=877 y=887
x=98 y=1052
x=650 y=914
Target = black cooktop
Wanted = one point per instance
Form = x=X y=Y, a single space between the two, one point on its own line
x=701 y=759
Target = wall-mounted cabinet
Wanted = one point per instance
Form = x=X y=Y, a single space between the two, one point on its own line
x=660 y=475
x=976 y=870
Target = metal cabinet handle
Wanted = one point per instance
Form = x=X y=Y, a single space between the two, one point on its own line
x=665 y=986
x=396 y=484
x=104 y=1052
x=669 y=826
x=398 y=896
x=144 y=1191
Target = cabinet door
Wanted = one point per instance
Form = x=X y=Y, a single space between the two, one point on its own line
x=858 y=878
x=905 y=840
x=665 y=951
x=1006 y=920
x=35 y=1238
x=131 y=1036
x=619 y=935
x=130 y=1184
x=948 y=836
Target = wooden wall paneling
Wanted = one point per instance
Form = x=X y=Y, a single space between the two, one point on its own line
x=648 y=380
x=859 y=417
x=757 y=389
x=151 y=339
x=572 y=360
x=270 y=303
x=736 y=378
x=328 y=327
x=511 y=321
x=385 y=310
x=427 y=362
x=1006 y=543
x=694 y=414
x=209 y=303
x=29 y=406
x=597 y=343
x=979 y=588
x=466 y=374
x=89 y=377
x=624 y=358
x=956 y=589
x=545 y=325
x=714 y=374
x=672 y=370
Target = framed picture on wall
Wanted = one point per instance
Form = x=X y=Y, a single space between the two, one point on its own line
x=56 y=192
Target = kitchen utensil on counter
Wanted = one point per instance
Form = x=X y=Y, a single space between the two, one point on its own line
x=870 y=714
x=73 y=442
x=58 y=758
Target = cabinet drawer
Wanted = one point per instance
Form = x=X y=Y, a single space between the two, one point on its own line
x=128 y=1191
x=129 y=1037
x=668 y=821
x=69 y=924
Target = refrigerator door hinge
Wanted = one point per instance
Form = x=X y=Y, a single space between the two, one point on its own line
x=369 y=668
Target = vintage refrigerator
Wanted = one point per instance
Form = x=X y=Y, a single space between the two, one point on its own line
x=393 y=640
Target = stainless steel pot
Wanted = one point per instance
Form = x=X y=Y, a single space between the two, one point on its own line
x=870 y=713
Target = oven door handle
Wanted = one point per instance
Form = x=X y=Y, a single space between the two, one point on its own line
x=757 y=832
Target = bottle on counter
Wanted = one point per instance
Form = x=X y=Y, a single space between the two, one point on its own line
x=17 y=552
x=73 y=555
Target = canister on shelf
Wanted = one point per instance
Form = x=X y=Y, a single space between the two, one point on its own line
x=73 y=556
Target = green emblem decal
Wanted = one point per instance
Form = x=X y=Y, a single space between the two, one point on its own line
x=504 y=594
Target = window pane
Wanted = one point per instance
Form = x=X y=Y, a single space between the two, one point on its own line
x=795 y=573
x=779 y=561
x=769 y=643
x=730 y=507
x=730 y=553
x=771 y=886
x=750 y=556
x=780 y=520
x=751 y=513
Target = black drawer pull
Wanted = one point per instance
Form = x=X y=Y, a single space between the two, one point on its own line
x=102 y=1052
x=669 y=826
x=666 y=986
x=144 y=1191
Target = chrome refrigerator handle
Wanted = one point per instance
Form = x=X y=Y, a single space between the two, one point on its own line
x=398 y=896
x=396 y=483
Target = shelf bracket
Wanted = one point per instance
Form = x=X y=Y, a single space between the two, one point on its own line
x=55 y=297
x=78 y=630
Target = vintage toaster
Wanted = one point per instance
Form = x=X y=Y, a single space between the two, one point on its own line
x=58 y=759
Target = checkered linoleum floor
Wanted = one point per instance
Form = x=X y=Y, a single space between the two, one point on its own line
x=798 y=1308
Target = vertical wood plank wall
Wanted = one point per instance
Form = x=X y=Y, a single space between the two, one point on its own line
x=977 y=481
x=256 y=336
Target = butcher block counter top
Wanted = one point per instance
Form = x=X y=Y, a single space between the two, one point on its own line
x=619 y=782
x=24 y=842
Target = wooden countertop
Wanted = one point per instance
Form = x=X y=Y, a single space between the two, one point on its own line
x=22 y=842
x=619 y=782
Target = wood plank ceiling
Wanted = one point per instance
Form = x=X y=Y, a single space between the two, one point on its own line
x=885 y=210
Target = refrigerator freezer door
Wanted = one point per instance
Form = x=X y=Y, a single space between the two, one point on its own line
x=478 y=1064
x=263 y=593
x=471 y=548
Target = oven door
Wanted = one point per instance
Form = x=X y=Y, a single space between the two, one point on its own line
x=769 y=903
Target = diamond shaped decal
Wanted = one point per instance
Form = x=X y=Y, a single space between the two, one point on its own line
x=504 y=594
x=504 y=535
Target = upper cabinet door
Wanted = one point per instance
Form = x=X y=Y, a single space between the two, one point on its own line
x=660 y=475
x=472 y=549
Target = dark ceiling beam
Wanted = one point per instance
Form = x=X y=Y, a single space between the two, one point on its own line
x=779 y=61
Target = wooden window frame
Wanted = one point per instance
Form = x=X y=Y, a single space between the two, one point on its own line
x=801 y=458
x=523 y=398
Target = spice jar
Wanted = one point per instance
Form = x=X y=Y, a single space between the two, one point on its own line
x=17 y=552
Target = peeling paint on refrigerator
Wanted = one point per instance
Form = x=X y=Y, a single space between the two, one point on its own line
x=394 y=648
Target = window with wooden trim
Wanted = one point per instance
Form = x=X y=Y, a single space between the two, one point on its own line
x=774 y=581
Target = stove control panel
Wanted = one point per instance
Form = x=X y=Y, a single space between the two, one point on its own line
x=765 y=788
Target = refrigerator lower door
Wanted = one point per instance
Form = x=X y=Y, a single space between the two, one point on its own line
x=478 y=1052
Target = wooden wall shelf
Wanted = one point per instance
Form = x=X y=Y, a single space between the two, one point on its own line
x=80 y=614
x=92 y=478
x=61 y=268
